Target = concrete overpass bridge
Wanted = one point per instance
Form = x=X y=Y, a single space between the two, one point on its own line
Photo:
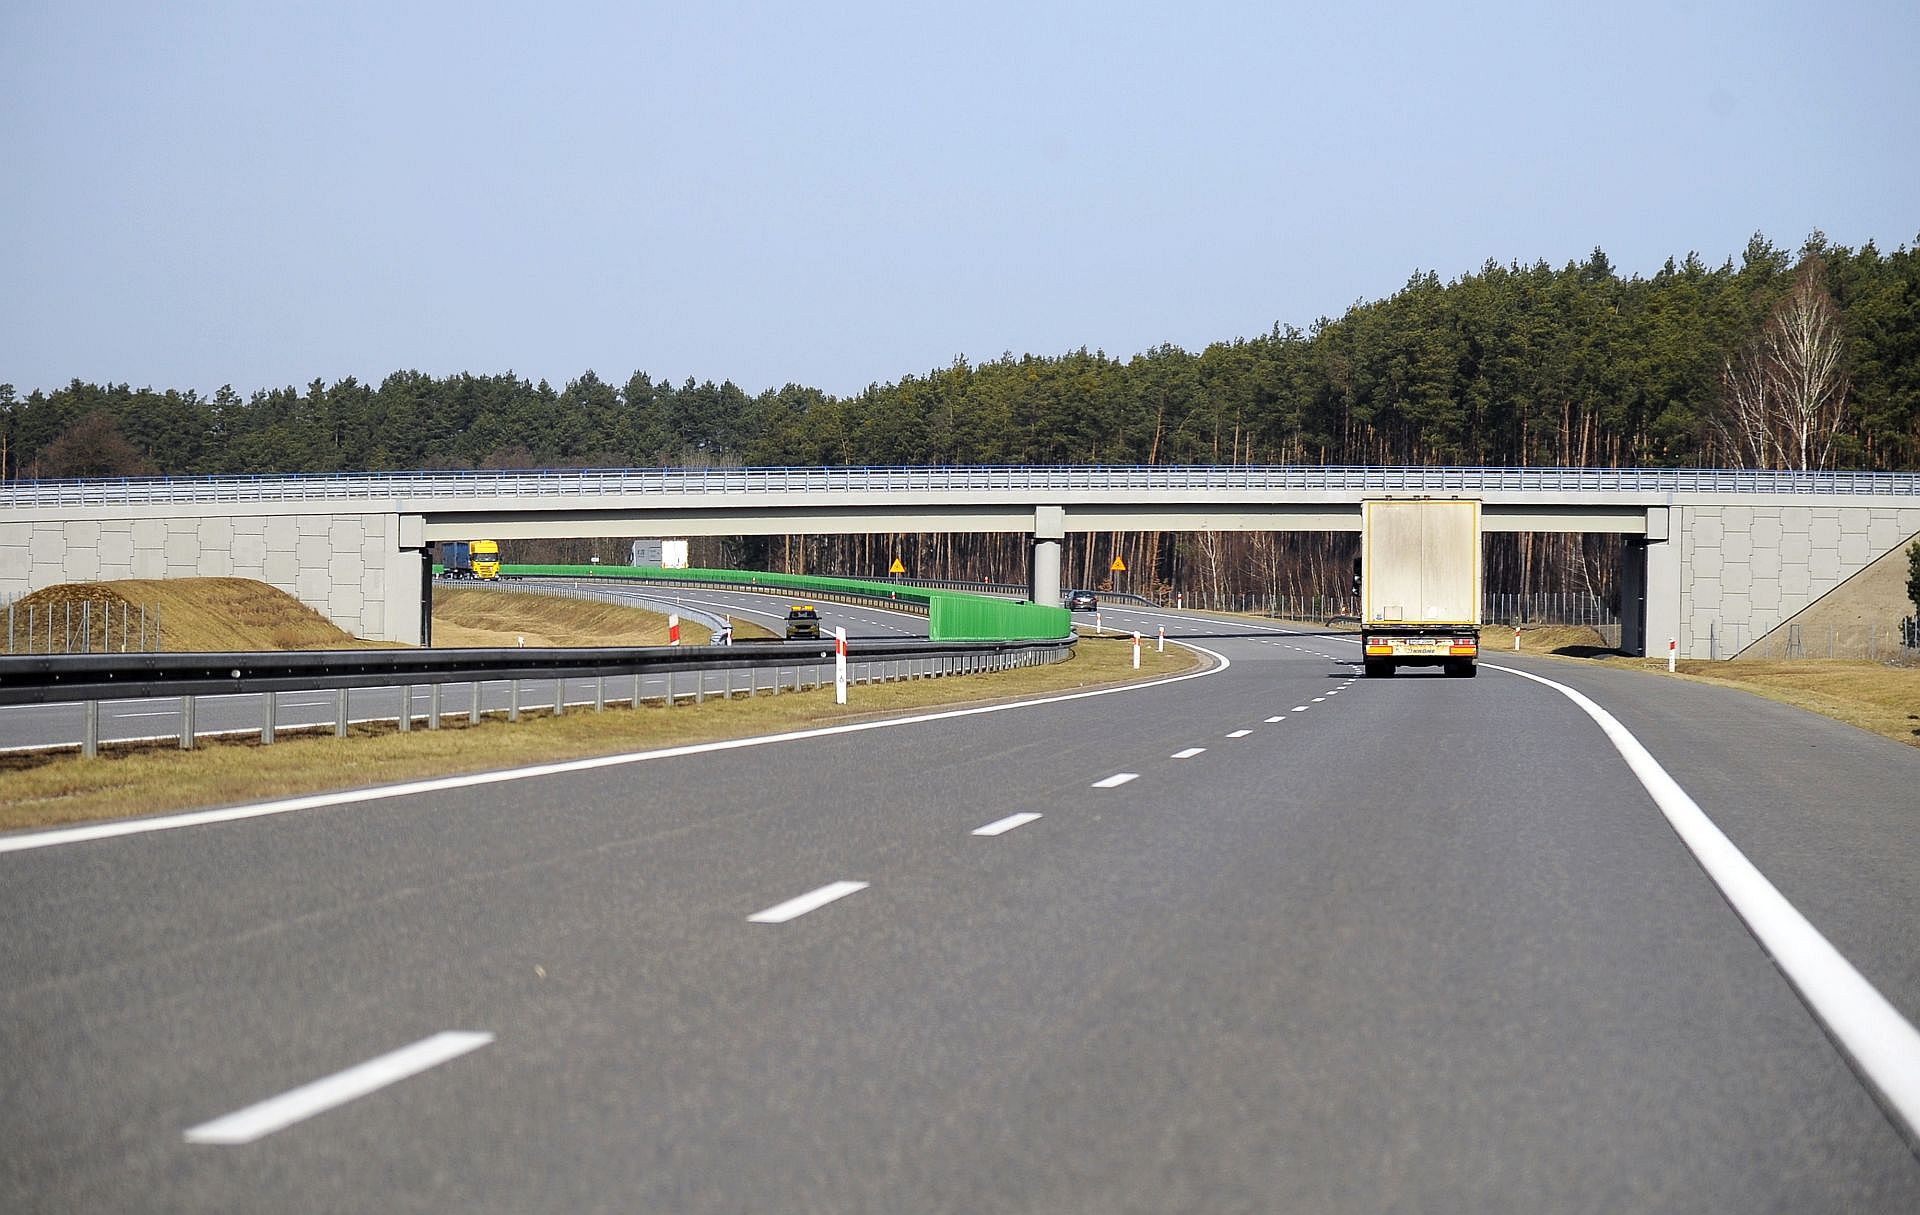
x=1705 y=549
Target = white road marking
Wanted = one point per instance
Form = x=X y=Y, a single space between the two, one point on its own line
x=813 y=900
x=1884 y=1046
x=1006 y=824
x=346 y=797
x=278 y=1113
x=1239 y=733
x=1319 y=700
x=1301 y=708
x=1189 y=753
x=1116 y=780
x=1272 y=720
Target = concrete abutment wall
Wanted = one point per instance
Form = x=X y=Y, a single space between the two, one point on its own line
x=1748 y=569
x=361 y=570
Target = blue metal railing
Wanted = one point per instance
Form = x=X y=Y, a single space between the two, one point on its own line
x=418 y=486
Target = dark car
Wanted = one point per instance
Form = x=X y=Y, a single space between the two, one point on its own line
x=803 y=623
x=1082 y=601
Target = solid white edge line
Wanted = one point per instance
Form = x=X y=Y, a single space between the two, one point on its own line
x=813 y=900
x=1189 y=753
x=296 y=1105
x=1884 y=1046
x=1116 y=780
x=199 y=818
x=1002 y=826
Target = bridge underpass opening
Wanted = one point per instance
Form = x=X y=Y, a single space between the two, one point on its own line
x=1531 y=577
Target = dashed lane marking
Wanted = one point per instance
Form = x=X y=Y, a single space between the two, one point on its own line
x=1006 y=824
x=296 y=1105
x=813 y=900
x=1189 y=753
x=1116 y=780
x=1239 y=733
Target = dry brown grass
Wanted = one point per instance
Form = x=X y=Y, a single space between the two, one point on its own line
x=203 y=614
x=1873 y=696
x=465 y=617
x=43 y=790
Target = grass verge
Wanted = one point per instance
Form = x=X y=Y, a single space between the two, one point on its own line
x=43 y=789
x=1878 y=697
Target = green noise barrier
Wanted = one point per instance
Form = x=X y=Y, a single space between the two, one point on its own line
x=951 y=615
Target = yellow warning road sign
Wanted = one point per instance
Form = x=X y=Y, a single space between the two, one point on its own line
x=1118 y=566
x=896 y=567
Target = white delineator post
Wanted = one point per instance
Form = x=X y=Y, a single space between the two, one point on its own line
x=1672 y=647
x=1160 y=647
x=839 y=666
x=1516 y=639
x=1136 y=651
x=673 y=628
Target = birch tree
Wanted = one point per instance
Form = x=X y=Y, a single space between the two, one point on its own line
x=1784 y=393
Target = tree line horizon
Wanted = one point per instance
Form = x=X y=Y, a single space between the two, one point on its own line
x=1785 y=358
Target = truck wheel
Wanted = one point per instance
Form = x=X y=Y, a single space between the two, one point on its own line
x=1378 y=670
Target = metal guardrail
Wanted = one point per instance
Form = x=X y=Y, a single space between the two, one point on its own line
x=92 y=678
x=973 y=479
x=60 y=678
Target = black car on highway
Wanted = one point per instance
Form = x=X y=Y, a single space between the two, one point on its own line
x=1082 y=601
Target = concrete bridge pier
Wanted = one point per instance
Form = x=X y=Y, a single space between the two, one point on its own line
x=1049 y=532
x=1650 y=588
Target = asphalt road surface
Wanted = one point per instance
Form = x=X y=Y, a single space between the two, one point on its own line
x=1265 y=939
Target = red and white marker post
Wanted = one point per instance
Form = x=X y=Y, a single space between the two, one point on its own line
x=673 y=628
x=1136 y=650
x=839 y=666
x=1516 y=639
x=1673 y=647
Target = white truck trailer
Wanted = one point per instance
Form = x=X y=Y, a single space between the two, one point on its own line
x=1420 y=572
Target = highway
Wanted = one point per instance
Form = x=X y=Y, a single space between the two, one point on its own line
x=33 y=727
x=1264 y=938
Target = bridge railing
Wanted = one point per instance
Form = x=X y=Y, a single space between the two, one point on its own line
x=964 y=479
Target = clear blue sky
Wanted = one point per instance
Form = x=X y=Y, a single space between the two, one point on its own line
x=834 y=194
